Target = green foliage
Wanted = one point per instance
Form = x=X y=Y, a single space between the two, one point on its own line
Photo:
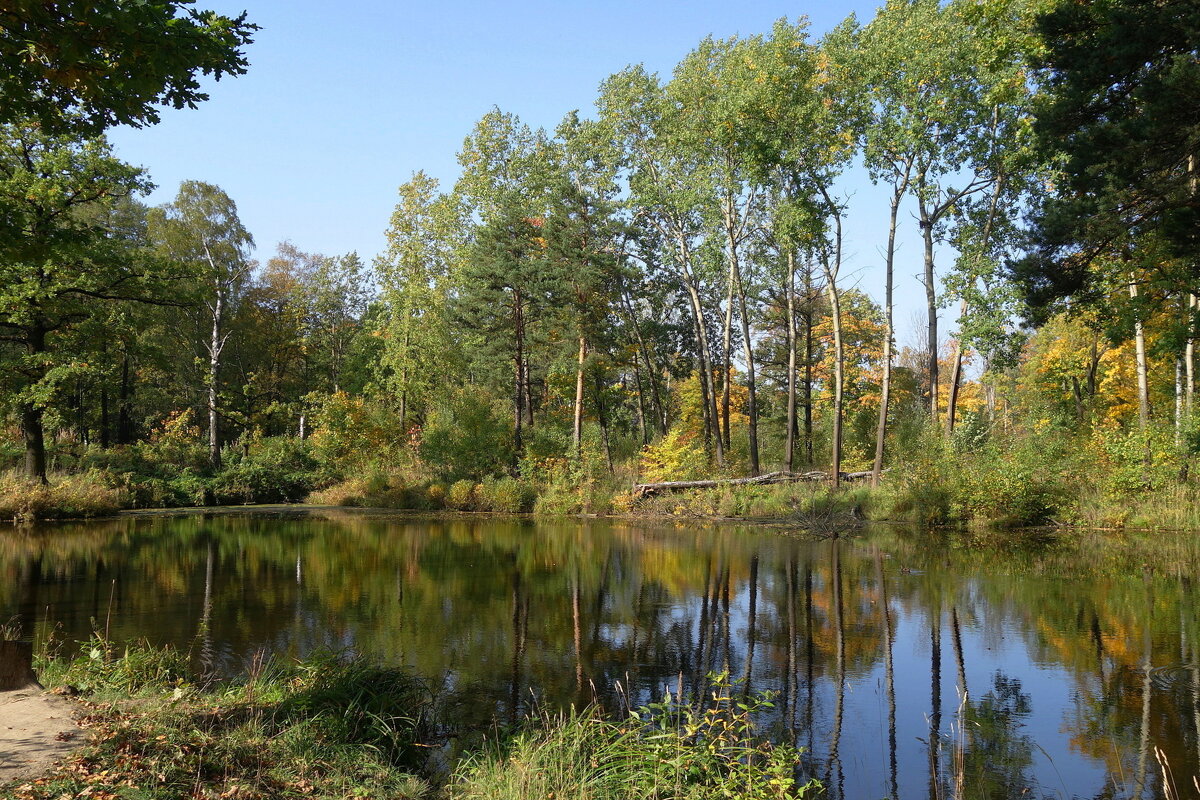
x=973 y=478
x=1135 y=462
x=467 y=437
x=1022 y=483
x=461 y=496
x=272 y=470
x=664 y=751
x=505 y=496
x=92 y=65
x=351 y=432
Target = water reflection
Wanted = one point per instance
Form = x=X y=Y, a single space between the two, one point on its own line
x=910 y=669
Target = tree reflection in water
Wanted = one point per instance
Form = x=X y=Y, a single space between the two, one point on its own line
x=1089 y=667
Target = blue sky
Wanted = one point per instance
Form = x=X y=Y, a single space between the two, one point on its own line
x=340 y=106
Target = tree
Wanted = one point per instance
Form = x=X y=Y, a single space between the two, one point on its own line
x=666 y=186
x=416 y=275
x=581 y=235
x=202 y=231
x=1120 y=81
x=86 y=65
x=505 y=287
x=58 y=263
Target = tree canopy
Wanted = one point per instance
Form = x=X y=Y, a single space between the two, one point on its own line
x=91 y=64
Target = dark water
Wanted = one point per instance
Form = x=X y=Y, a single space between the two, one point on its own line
x=910 y=667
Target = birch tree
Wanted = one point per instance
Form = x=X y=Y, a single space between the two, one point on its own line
x=201 y=229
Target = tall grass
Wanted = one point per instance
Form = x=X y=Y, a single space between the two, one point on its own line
x=665 y=751
x=328 y=727
x=67 y=497
x=332 y=727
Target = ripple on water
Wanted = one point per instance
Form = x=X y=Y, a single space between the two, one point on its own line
x=1172 y=677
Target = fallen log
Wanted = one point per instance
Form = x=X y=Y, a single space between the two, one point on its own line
x=648 y=489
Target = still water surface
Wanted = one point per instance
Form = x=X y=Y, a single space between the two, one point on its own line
x=904 y=664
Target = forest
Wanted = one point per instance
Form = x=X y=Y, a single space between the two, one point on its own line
x=655 y=290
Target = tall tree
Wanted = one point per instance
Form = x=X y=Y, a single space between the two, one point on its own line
x=59 y=263
x=1120 y=80
x=201 y=229
x=581 y=235
x=416 y=276
x=505 y=288
x=666 y=186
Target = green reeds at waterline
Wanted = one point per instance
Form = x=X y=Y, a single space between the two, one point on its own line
x=665 y=751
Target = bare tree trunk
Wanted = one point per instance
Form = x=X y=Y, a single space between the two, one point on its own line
x=577 y=428
x=1139 y=336
x=955 y=376
x=706 y=376
x=216 y=344
x=1189 y=357
x=518 y=375
x=643 y=428
x=651 y=370
x=1178 y=402
x=808 y=368
x=931 y=310
x=748 y=349
x=832 y=268
x=124 y=400
x=885 y=387
x=984 y=241
x=838 y=362
x=35 y=442
x=727 y=366
x=789 y=454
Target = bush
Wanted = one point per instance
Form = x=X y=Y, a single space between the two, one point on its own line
x=466 y=437
x=678 y=456
x=349 y=432
x=1018 y=485
x=71 y=497
x=271 y=470
x=461 y=496
x=506 y=496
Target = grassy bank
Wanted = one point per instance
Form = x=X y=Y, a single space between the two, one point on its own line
x=337 y=728
x=935 y=480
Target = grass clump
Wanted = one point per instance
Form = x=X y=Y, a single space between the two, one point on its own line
x=665 y=751
x=72 y=497
x=328 y=727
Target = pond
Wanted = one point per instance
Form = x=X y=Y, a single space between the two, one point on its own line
x=904 y=662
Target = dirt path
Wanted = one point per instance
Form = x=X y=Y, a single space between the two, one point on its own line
x=36 y=730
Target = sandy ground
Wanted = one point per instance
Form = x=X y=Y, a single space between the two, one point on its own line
x=36 y=730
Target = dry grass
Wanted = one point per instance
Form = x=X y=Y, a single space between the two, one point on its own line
x=65 y=497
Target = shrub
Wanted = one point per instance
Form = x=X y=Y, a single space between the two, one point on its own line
x=271 y=470
x=436 y=494
x=1018 y=485
x=678 y=456
x=71 y=497
x=461 y=496
x=466 y=437
x=349 y=432
x=506 y=496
